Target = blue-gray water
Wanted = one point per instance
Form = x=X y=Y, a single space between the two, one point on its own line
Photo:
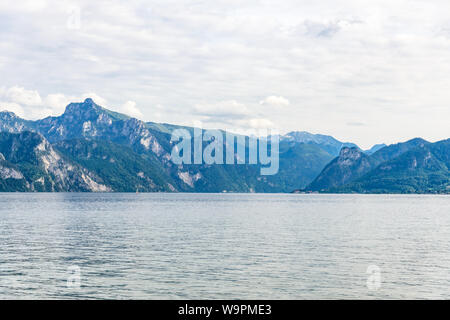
x=224 y=246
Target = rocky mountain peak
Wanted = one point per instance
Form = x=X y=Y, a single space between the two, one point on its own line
x=10 y=122
x=328 y=143
x=7 y=115
x=375 y=148
x=350 y=153
x=351 y=163
x=87 y=109
x=349 y=156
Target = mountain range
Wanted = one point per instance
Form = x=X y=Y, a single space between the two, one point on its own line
x=415 y=166
x=90 y=148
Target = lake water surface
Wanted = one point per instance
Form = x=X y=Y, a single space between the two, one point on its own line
x=224 y=246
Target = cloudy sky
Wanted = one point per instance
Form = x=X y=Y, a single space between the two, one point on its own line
x=362 y=71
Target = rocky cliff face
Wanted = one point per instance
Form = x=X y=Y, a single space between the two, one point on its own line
x=30 y=158
x=9 y=122
x=89 y=120
x=349 y=165
x=119 y=167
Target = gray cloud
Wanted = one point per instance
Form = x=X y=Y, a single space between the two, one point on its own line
x=356 y=124
x=335 y=62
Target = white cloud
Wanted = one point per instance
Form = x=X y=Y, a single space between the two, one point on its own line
x=22 y=96
x=229 y=109
x=259 y=123
x=29 y=104
x=56 y=102
x=230 y=115
x=130 y=108
x=275 y=101
x=12 y=107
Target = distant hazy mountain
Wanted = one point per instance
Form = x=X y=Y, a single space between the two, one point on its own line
x=394 y=150
x=415 y=166
x=375 y=148
x=122 y=153
x=328 y=143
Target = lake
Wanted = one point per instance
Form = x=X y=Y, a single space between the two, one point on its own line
x=224 y=246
